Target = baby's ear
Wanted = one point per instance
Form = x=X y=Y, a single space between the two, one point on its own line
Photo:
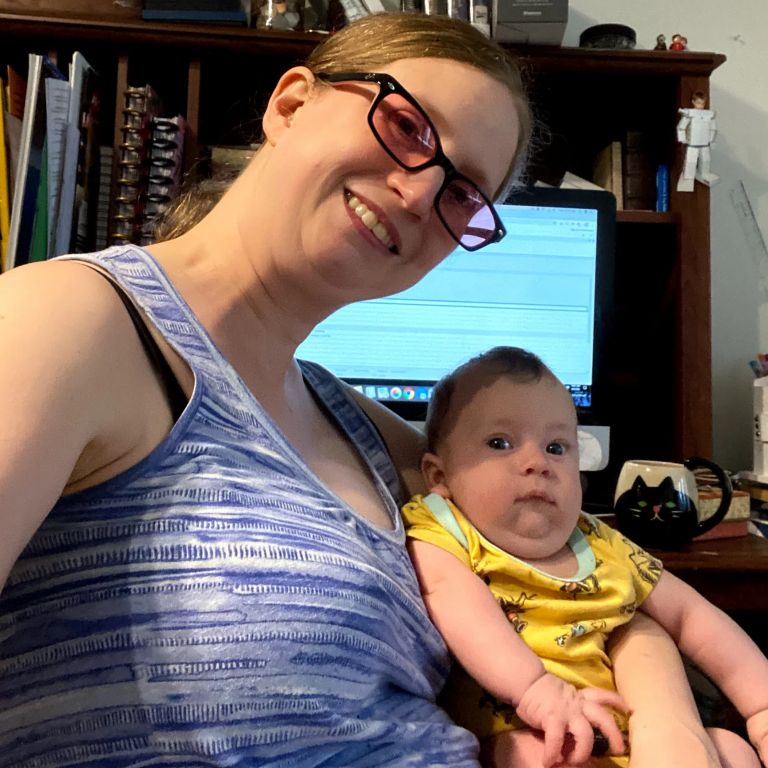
x=434 y=475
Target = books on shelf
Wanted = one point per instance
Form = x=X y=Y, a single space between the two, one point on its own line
x=608 y=172
x=141 y=104
x=166 y=152
x=5 y=183
x=736 y=520
x=639 y=168
x=149 y=166
x=54 y=149
x=57 y=103
x=81 y=134
x=205 y=11
x=29 y=168
x=106 y=155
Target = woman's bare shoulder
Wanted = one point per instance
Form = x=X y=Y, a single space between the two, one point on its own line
x=69 y=369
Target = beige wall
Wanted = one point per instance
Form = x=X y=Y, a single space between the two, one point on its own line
x=740 y=155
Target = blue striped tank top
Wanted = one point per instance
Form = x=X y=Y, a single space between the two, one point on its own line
x=216 y=605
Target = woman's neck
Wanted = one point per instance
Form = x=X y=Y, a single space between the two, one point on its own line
x=247 y=318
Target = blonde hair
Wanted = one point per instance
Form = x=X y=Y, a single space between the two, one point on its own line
x=380 y=39
x=367 y=45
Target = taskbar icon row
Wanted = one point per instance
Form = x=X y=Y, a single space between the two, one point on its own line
x=390 y=392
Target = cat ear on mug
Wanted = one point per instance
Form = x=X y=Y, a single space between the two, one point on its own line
x=639 y=485
x=667 y=485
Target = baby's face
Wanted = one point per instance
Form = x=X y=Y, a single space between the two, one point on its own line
x=511 y=464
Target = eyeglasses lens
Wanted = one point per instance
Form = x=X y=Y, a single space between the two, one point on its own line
x=405 y=131
x=466 y=214
x=408 y=136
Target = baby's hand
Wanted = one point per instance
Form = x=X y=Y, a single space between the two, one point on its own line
x=558 y=708
x=757 y=729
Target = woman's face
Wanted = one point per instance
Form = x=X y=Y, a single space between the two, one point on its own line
x=345 y=214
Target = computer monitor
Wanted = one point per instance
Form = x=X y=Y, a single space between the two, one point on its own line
x=546 y=286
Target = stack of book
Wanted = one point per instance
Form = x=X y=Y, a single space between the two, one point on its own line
x=608 y=171
x=639 y=168
x=5 y=182
x=141 y=105
x=48 y=161
x=736 y=520
x=166 y=152
x=106 y=157
x=204 y=11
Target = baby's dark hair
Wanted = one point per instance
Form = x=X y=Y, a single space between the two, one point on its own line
x=515 y=363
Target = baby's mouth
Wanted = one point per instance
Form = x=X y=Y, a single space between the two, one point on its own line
x=371 y=221
x=536 y=496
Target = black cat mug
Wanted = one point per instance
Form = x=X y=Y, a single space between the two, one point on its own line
x=656 y=502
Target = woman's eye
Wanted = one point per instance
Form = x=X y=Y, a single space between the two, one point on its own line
x=499 y=443
x=463 y=197
x=557 y=449
x=411 y=129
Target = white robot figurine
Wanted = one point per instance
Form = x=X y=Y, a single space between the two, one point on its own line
x=696 y=129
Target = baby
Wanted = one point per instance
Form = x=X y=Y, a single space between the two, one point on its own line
x=503 y=528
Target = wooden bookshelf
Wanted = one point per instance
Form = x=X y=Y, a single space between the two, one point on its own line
x=646 y=217
x=659 y=399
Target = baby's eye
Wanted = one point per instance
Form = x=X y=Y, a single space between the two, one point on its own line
x=557 y=449
x=499 y=443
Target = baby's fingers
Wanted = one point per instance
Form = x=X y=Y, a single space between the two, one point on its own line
x=580 y=740
x=554 y=738
x=605 y=698
x=604 y=720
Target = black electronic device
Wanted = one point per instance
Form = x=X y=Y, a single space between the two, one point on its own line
x=547 y=286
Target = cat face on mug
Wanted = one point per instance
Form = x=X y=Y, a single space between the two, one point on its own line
x=663 y=503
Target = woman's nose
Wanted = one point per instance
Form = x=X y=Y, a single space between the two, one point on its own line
x=418 y=189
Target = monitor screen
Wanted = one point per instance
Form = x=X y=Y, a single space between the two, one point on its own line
x=546 y=287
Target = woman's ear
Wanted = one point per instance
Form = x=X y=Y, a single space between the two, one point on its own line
x=434 y=475
x=289 y=96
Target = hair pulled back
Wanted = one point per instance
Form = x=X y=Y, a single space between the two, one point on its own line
x=367 y=45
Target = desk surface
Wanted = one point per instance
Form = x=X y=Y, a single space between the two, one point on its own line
x=746 y=554
x=731 y=573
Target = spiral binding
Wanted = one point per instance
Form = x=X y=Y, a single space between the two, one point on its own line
x=166 y=152
x=141 y=104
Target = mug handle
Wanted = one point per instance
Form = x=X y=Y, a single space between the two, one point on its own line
x=695 y=462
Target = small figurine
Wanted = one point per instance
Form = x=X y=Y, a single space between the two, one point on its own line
x=661 y=43
x=679 y=43
x=697 y=130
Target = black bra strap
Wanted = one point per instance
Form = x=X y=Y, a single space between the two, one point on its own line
x=177 y=400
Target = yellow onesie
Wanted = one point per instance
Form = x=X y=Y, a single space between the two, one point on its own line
x=564 y=621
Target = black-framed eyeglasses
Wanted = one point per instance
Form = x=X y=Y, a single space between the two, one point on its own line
x=406 y=133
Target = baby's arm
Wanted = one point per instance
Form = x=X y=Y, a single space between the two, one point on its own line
x=719 y=646
x=479 y=635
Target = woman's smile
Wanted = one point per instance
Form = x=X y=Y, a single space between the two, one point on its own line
x=374 y=223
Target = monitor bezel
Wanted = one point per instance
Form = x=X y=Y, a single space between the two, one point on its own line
x=604 y=203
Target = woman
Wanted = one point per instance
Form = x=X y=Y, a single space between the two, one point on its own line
x=209 y=564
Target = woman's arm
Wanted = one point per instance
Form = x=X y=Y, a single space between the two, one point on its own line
x=665 y=727
x=716 y=644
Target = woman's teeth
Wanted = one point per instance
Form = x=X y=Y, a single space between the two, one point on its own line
x=371 y=221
